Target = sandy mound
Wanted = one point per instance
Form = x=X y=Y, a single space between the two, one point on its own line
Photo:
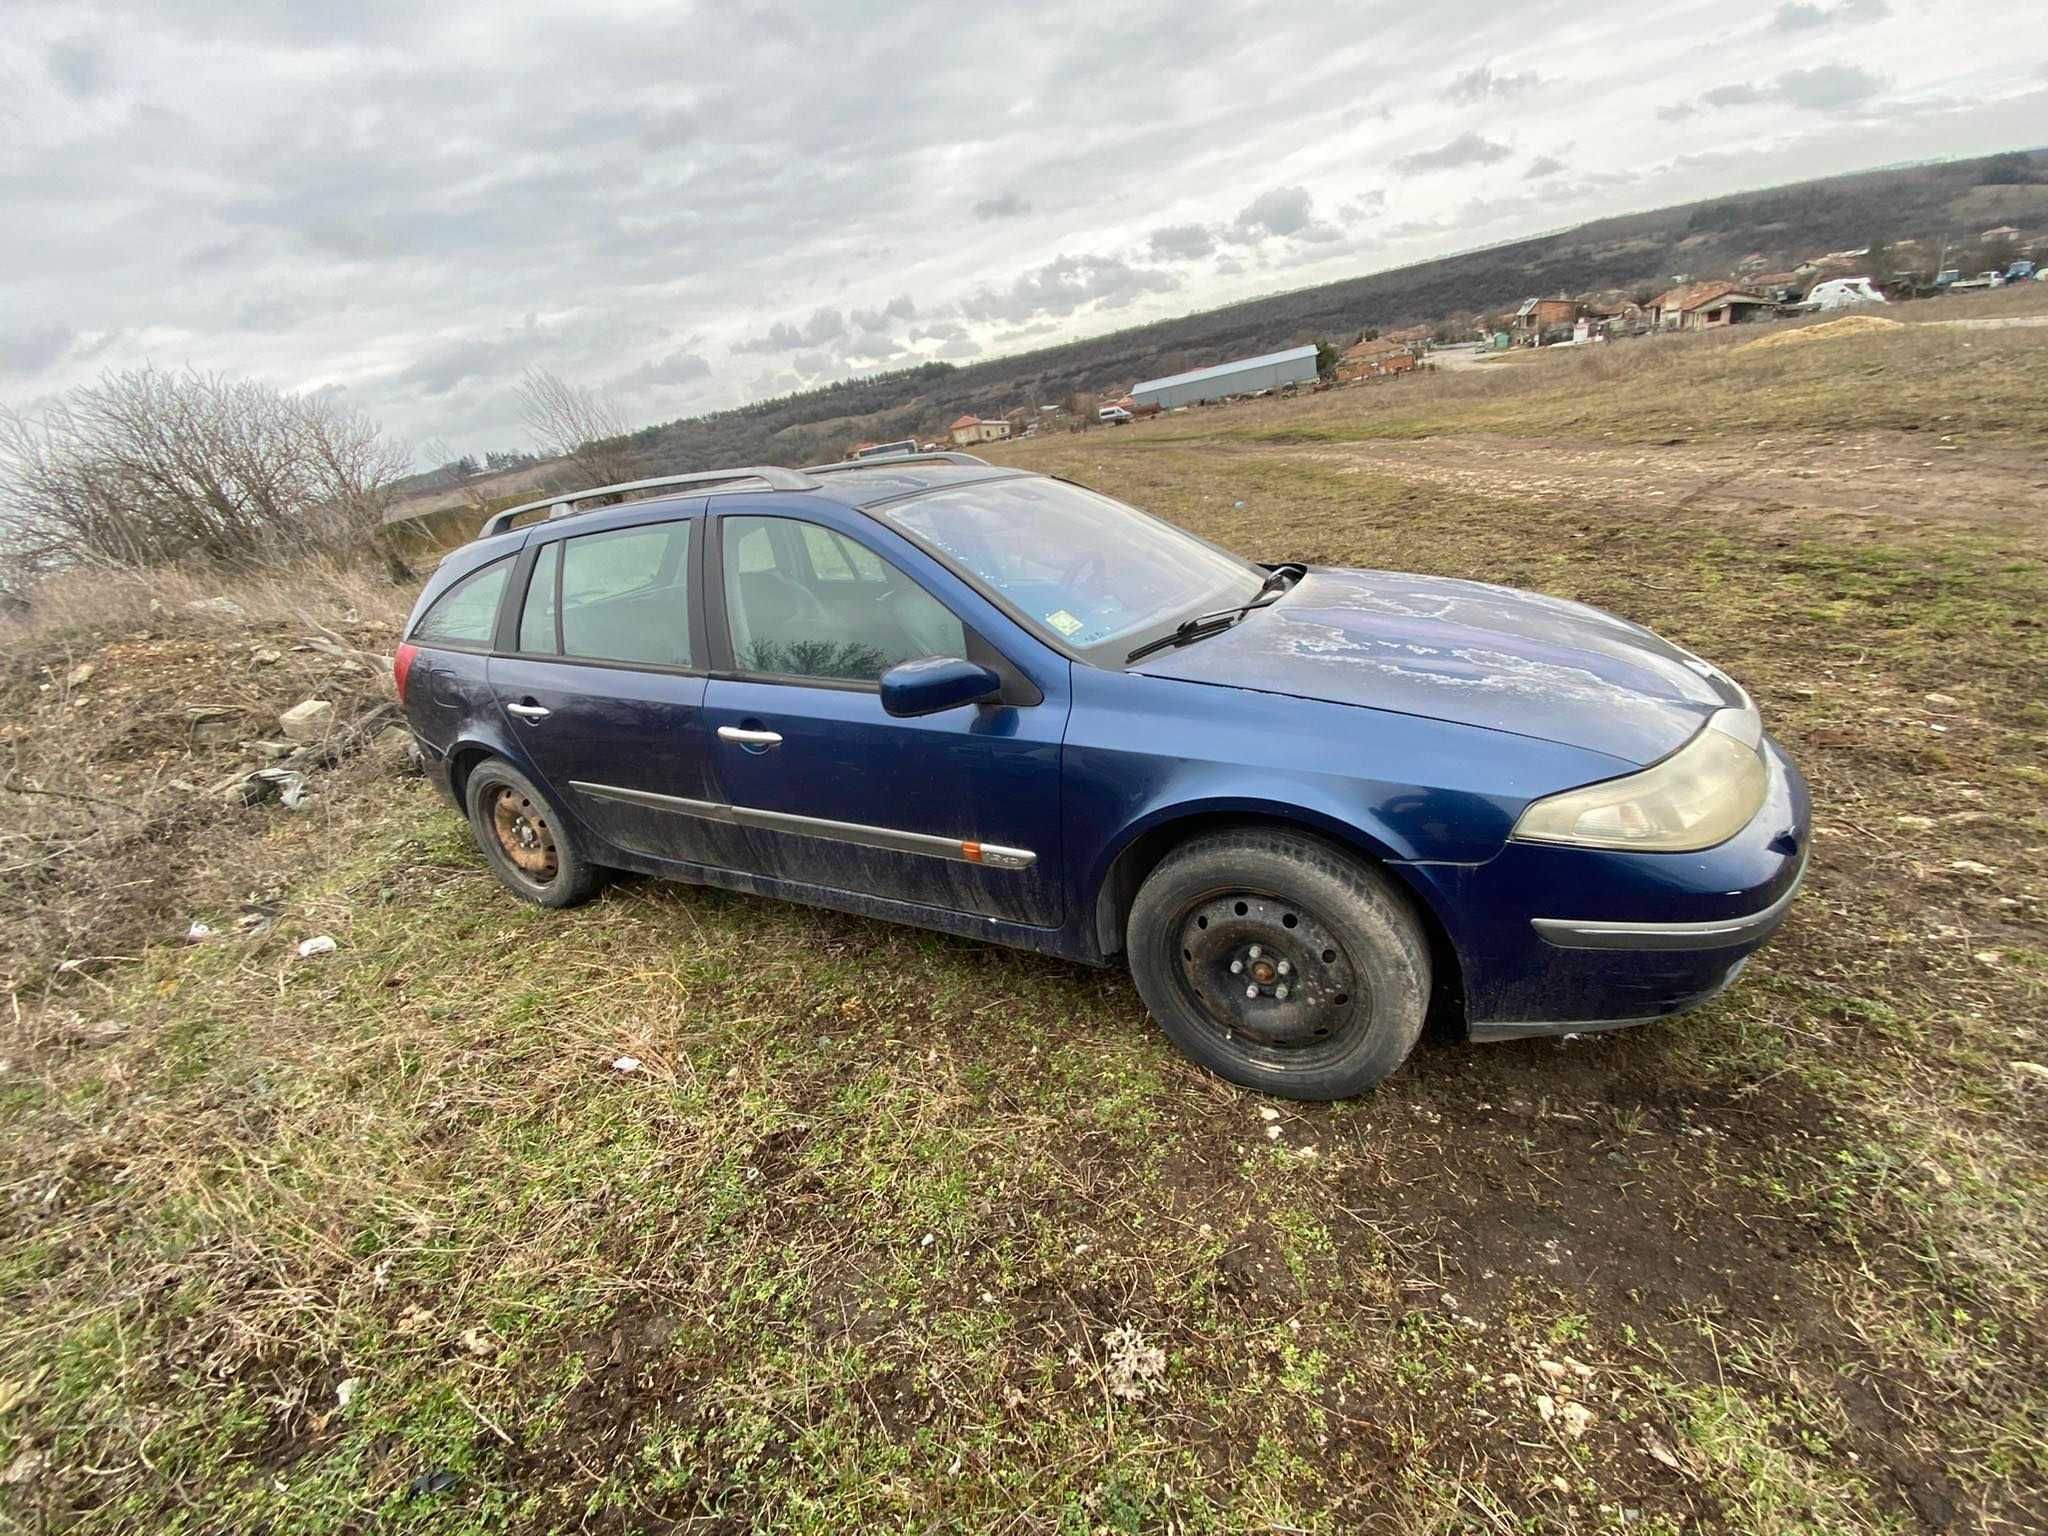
x=1827 y=330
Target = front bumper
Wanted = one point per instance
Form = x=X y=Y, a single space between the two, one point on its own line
x=1553 y=939
x=1714 y=933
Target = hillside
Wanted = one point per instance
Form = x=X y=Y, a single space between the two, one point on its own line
x=1953 y=200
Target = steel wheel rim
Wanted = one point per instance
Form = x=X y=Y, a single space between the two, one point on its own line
x=1327 y=1001
x=520 y=824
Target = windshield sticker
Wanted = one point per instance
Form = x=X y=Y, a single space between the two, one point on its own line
x=1063 y=621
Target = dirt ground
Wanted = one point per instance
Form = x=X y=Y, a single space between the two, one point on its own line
x=1870 y=481
x=690 y=1212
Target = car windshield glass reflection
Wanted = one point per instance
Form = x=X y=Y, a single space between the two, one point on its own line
x=1089 y=571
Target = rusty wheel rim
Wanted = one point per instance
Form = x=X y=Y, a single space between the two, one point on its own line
x=522 y=829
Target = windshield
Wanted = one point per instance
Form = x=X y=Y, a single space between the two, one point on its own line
x=1092 y=572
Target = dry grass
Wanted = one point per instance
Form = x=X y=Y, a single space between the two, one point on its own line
x=885 y=1225
x=1655 y=390
x=130 y=702
x=1826 y=330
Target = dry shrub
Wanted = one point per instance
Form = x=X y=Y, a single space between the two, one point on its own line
x=149 y=467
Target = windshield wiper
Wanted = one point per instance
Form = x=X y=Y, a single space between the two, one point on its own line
x=1203 y=625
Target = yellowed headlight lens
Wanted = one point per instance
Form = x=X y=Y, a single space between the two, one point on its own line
x=1701 y=795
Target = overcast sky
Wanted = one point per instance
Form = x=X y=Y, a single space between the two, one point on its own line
x=694 y=207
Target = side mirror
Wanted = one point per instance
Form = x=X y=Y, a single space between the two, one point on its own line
x=935 y=683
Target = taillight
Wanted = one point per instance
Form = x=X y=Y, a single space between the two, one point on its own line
x=401 y=667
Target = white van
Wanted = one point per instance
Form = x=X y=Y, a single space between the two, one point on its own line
x=1841 y=292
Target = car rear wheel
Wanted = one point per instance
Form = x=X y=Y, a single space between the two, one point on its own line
x=525 y=838
x=1281 y=962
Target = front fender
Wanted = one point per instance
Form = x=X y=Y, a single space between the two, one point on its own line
x=1144 y=754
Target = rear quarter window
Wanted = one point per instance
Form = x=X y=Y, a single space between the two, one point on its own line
x=467 y=613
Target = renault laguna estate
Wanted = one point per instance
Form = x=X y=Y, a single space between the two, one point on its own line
x=1309 y=807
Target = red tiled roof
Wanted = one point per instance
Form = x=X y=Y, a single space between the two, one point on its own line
x=1695 y=295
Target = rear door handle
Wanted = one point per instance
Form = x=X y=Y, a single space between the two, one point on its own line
x=748 y=738
x=526 y=711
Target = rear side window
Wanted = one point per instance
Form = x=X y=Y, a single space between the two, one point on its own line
x=626 y=597
x=467 y=613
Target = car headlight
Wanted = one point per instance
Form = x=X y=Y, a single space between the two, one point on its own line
x=1702 y=794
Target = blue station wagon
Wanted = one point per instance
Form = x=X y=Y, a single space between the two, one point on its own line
x=1310 y=808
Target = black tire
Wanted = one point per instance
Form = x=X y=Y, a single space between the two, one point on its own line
x=1291 y=911
x=526 y=839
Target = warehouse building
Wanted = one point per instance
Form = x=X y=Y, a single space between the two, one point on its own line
x=1297 y=365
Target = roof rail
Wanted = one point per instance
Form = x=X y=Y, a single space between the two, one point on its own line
x=889 y=460
x=770 y=475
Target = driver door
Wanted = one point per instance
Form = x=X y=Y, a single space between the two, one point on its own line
x=957 y=810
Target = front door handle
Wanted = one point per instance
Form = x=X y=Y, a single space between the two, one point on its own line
x=748 y=738
x=526 y=711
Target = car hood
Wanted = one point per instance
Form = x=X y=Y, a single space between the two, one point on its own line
x=1465 y=651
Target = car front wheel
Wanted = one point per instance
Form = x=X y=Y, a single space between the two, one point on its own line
x=1281 y=962
x=526 y=839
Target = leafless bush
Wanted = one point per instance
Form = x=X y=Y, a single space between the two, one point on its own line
x=577 y=423
x=146 y=468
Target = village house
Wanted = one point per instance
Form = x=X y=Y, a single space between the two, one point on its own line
x=1704 y=306
x=1610 y=312
x=1780 y=287
x=969 y=430
x=1376 y=359
x=1539 y=317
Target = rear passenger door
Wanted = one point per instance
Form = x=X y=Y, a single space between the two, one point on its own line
x=957 y=810
x=601 y=676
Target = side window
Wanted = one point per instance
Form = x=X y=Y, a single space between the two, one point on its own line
x=803 y=601
x=537 y=618
x=626 y=595
x=467 y=613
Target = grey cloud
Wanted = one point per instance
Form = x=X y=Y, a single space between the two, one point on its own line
x=1180 y=242
x=1824 y=88
x=899 y=308
x=1799 y=18
x=1277 y=211
x=441 y=369
x=665 y=373
x=1287 y=211
x=1481 y=83
x=1545 y=165
x=1828 y=87
x=1740 y=94
x=824 y=325
x=78 y=66
x=1065 y=284
x=1365 y=203
x=1005 y=205
x=1802 y=16
x=1468 y=148
x=25 y=353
